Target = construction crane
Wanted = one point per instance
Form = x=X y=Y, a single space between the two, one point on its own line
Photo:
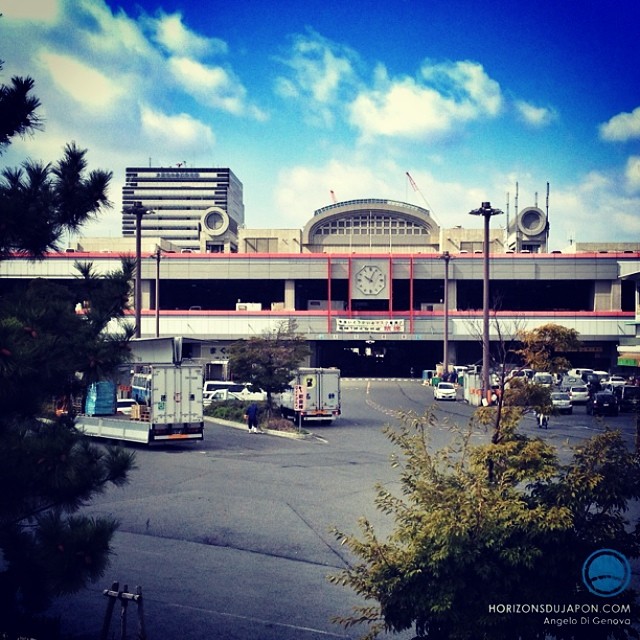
x=415 y=187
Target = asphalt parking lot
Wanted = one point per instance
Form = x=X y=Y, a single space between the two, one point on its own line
x=230 y=537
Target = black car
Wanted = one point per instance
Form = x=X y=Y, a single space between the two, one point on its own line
x=602 y=403
x=628 y=397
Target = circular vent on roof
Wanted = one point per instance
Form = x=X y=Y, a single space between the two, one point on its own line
x=532 y=221
x=215 y=221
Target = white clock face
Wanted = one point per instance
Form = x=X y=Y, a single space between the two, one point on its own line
x=371 y=280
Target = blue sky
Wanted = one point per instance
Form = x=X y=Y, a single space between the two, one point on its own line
x=302 y=98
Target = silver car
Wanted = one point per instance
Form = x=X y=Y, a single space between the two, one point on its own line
x=579 y=394
x=561 y=402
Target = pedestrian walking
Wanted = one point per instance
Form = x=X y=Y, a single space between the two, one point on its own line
x=252 y=417
x=543 y=421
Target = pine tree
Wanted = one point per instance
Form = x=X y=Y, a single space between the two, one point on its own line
x=50 y=351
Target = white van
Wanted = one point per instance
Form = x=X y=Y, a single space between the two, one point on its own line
x=579 y=373
x=543 y=378
x=216 y=385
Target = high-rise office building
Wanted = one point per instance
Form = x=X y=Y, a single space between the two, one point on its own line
x=194 y=208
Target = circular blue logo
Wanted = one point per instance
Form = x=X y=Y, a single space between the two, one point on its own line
x=606 y=573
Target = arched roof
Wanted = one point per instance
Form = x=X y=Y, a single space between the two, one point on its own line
x=368 y=217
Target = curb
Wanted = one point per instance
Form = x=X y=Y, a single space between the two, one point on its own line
x=271 y=432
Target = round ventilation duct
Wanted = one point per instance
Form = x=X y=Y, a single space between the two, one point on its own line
x=215 y=221
x=532 y=221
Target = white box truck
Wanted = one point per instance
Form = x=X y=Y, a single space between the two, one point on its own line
x=170 y=408
x=314 y=396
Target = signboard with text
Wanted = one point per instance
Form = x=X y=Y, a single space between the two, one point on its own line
x=298 y=397
x=363 y=325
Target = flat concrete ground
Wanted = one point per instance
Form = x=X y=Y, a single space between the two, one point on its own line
x=230 y=538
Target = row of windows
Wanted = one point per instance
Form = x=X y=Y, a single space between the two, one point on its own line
x=173 y=186
x=208 y=198
x=166 y=231
x=371 y=225
x=145 y=192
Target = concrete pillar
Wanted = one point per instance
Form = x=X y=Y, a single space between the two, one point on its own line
x=616 y=295
x=453 y=295
x=290 y=295
x=607 y=295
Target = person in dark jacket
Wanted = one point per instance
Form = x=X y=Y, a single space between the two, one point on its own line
x=252 y=417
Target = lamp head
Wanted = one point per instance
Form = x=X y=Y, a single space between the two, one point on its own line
x=485 y=210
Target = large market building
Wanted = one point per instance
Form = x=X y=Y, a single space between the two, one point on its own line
x=373 y=285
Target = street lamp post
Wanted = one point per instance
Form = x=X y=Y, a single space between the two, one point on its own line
x=138 y=210
x=486 y=211
x=446 y=256
x=157 y=257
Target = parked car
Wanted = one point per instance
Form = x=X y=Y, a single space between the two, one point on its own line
x=561 y=402
x=543 y=378
x=521 y=373
x=569 y=381
x=579 y=373
x=244 y=392
x=616 y=381
x=579 y=394
x=603 y=403
x=445 y=391
x=628 y=397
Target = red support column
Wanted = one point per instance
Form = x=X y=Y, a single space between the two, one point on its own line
x=411 y=294
x=390 y=286
x=329 y=293
x=349 y=266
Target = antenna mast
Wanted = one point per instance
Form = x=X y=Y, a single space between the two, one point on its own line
x=507 y=212
x=517 y=233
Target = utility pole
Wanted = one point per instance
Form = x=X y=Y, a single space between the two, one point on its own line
x=446 y=256
x=157 y=257
x=486 y=211
x=138 y=211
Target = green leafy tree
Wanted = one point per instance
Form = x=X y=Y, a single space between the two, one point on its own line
x=540 y=349
x=49 y=351
x=543 y=348
x=269 y=361
x=464 y=540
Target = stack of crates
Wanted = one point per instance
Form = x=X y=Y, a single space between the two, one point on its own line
x=101 y=399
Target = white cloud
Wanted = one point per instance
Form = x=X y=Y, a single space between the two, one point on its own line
x=180 y=132
x=212 y=86
x=86 y=85
x=447 y=95
x=302 y=189
x=321 y=71
x=172 y=34
x=32 y=10
x=593 y=209
x=467 y=84
x=632 y=174
x=622 y=127
x=404 y=109
x=533 y=115
x=114 y=40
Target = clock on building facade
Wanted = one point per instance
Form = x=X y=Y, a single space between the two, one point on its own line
x=370 y=280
